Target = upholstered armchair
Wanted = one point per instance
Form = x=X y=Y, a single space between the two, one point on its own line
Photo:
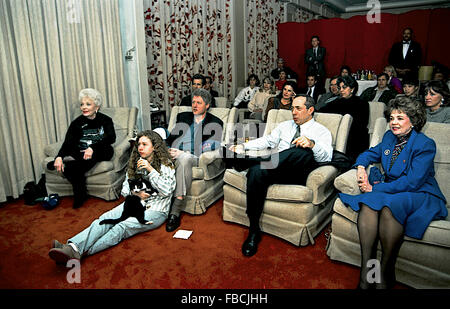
x=292 y=212
x=376 y=110
x=207 y=184
x=105 y=179
x=421 y=263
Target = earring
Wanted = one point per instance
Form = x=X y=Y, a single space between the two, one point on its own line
x=442 y=101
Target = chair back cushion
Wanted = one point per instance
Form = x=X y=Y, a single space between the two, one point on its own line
x=221 y=101
x=376 y=111
x=440 y=133
x=338 y=125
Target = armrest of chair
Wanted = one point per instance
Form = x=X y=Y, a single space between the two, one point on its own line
x=51 y=150
x=320 y=181
x=121 y=157
x=346 y=183
x=212 y=164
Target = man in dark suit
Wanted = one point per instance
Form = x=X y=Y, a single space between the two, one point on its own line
x=313 y=89
x=406 y=56
x=290 y=74
x=194 y=133
x=198 y=81
x=314 y=57
x=209 y=86
x=381 y=92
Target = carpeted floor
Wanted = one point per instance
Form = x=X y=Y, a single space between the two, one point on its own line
x=210 y=259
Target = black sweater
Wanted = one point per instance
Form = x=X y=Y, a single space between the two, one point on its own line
x=358 y=139
x=97 y=133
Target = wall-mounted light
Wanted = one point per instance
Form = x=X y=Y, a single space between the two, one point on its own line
x=129 y=54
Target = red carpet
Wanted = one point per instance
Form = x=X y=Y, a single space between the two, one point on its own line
x=210 y=259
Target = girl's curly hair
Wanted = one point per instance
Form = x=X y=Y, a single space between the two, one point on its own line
x=160 y=154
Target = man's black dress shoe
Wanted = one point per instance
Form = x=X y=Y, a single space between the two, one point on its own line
x=250 y=245
x=173 y=223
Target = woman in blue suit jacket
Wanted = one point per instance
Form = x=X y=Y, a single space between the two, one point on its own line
x=405 y=199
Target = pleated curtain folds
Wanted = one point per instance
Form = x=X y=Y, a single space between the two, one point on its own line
x=50 y=51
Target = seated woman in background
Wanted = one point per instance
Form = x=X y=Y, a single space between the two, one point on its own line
x=345 y=71
x=411 y=88
x=258 y=103
x=393 y=82
x=284 y=99
x=246 y=94
x=88 y=141
x=436 y=100
x=350 y=103
x=405 y=199
x=149 y=162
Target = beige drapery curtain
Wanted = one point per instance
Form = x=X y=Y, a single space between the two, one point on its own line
x=50 y=50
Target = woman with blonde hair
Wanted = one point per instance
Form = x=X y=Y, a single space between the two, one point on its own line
x=150 y=162
x=393 y=82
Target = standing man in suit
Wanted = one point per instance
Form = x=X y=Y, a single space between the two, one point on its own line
x=314 y=57
x=406 y=55
x=194 y=133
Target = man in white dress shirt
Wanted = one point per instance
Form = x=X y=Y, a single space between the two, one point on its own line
x=300 y=143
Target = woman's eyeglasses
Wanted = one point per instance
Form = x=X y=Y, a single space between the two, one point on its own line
x=343 y=87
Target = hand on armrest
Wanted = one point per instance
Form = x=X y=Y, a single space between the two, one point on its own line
x=347 y=183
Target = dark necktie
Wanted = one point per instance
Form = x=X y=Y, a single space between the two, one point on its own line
x=309 y=91
x=296 y=135
x=315 y=52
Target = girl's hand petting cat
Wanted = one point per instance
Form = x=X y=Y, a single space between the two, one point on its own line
x=142 y=194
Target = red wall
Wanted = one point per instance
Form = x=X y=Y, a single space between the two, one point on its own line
x=358 y=44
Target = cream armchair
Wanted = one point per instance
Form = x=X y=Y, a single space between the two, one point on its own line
x=421 y=263
x=207 y=184
x=292 y=212
x=105 y=179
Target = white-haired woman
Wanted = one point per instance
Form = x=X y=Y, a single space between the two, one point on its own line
x=88 y=141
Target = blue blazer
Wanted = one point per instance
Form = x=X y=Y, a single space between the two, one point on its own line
x=413 y=171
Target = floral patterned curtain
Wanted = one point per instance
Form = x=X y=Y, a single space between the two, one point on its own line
x=262 y=38
x=184 y=38
x=261 y=26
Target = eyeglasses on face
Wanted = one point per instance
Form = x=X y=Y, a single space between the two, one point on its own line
x=343 y=87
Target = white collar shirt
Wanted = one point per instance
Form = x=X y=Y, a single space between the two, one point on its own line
x=405 y=49
x=282 y=135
